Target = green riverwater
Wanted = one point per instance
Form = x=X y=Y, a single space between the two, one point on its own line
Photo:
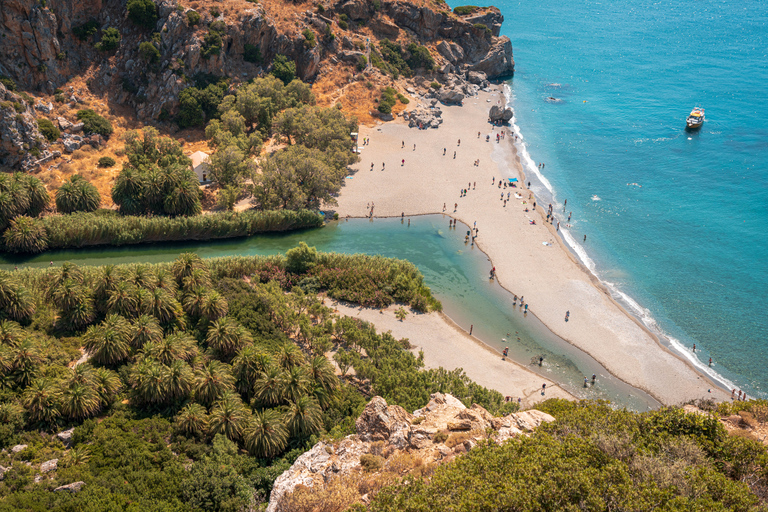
x=457 y=274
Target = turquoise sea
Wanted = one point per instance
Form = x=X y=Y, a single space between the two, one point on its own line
x=675 y=221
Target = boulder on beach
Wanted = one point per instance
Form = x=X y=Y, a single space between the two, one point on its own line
x=498 y=113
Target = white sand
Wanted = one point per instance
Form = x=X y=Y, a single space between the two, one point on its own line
x=446 y=345
x=549 y=277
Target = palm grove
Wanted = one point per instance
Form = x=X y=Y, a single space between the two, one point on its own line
x=306 y=171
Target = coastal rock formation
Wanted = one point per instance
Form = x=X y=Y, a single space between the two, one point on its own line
x=433 y=435
x=424 y=117
x=500 y=114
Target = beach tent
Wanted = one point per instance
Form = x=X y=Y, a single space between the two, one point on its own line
x=513 y=180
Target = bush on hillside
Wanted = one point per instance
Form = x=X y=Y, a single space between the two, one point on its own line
x=106 y=161
x=110 y=40
x=284 y=69
x=193 y=18
x=149 y=52
x=94 y=123
x=142 y=12
x=48 y=129
x=86 y=30
x=464 y=10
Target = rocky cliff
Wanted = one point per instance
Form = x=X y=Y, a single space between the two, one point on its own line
x=20 y=138
x=41 y=52
x=391 y=442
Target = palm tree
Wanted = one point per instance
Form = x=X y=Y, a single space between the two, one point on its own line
x=77 y=195
x=229 y=416
x=122 y=300
x=296 y=382
x=183 y=200
x=142 y=277
x=109 y=342
x=76 y=456
x=321 y=371
x=214 y=306
x=164 y=306
x=143 y=301
x=166 y=281
x=80 y=374
x=10 y=333
x=197 y=277
x=128 y=191
x=26 y=235
x=109 y=277
x=265 y=435
x=40 y=400
x=66 y=271
x=148 y=382
x=79 y=401
x=77 y=317
x=145 y=329
x=179 y=379
x=304 y=417
x=269 y=386
x=107 y=384
x=247 y=365
x=36 y=192
x=68 y=294
x=185 y=264
x=227 y=336
x=212 y=379
x=193 y=419
x=289 y=355
x=193 y=301
x=176 y=346
x=26 y=357
x=17 y=303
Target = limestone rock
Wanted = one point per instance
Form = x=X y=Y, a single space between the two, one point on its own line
x=63 y=123
x=450 y=95
x=19 y=133
x=45 y=108
x=498 y=61
x=18 y=448
x=477 y=77
x=73 y=487
x=49 y=465
x=380 y=422
x=2 y=472
x=530 y=420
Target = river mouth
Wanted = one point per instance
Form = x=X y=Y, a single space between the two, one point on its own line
x=456 y=272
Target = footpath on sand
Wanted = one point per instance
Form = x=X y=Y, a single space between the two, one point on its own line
x=406 y=171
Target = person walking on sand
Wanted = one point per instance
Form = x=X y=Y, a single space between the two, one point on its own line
x=444 y=149
x=733 y=394
x=474 y=184
x=459 y=143
x=443 y=206
x=403 y=145
x=414 y=147
x=544 y=388
x=454 y=155
x=567 y=315
x=403 y=164
x=455 y=207
x=478 y=135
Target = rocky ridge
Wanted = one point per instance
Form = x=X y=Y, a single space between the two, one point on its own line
x=433 y=435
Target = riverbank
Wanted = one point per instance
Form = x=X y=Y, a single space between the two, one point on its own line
x=529 y=258
x=446 y=344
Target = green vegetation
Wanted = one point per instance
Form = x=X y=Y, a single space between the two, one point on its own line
x=213 y=41
x=48 y=129
x=196 y=395
x=77 y=195
x=309 y=38
x=25 y=235
x=596 y=458
x=193 y=18
x=484 y=28
x=86 y=30
x=110 y=40
x=395 y=60
x=465 y=10
x=284 y=69
x=8 y=83
x=252 y=53
x=157 y=178
x=201 y=102
x=106 y=161
x=21 y=194
x=142 y=13
x=149 y=52
x=388 y=100
x=111 y=228
x=94 y=123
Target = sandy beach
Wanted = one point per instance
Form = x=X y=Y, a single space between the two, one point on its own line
x=411 y=175
x=445 y=344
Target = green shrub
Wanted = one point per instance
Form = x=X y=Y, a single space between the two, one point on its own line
x=362 y=63
x=149 y=52
x=420 y=57
x=193 y=18
x=142 y=12
x=309 y=38
x=25 y=235
x=252 y=53
x=403 y=99
x=94 y=123
x=215 y=12
x=59 y=97
x=440 y=437
x=110 y=40
x=343 y=23
x=464 y=10
x=320 y=9
x=86 y=30
x=371 y=463
x=212 y=44
x=8 y=83
x=18 y=107
x=284 y=69
x=48 y=129
x=484 y=28
x=106 y=161
x=388 y=100
x=435 y=85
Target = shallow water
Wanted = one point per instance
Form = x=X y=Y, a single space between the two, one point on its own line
x=456 y=273
x=675 y=221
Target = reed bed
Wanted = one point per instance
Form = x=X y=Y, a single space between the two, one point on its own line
x=91 y=229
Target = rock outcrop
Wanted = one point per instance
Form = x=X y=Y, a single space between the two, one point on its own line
x=435 y=434
x=20 y=138
x=499 y=114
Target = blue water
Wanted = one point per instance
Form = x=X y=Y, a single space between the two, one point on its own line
x=687 y=250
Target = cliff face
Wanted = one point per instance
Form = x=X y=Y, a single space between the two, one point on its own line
x=20 y=139
x=391 y=442
x=40 y=51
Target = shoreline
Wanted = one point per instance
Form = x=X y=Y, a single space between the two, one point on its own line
x=638 y=359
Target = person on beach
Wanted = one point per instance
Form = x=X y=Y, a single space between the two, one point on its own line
x=565 y=203
x=493 y=181
x=403 y=163
x=478 y=135
x=694 y=347
x=443 y=206
x=383 y=165
x=558 y=225
x=474 y=184
x=541 y=360
x=505 y=203
x=414 y=147
x=371 y=165
x=409 y=222
x=459 y=143
x=534 y=205
x=502 y=196
x=454 y=155
x=594 y=377
x=506 y=351
x=585 y=381
x=585 y=238
x=733 y=394
x=403 y=145
x=444 y=150
x=455 y=207
x=543 y=388
x=567 y=315
x=569 y=216
x=710 y=361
